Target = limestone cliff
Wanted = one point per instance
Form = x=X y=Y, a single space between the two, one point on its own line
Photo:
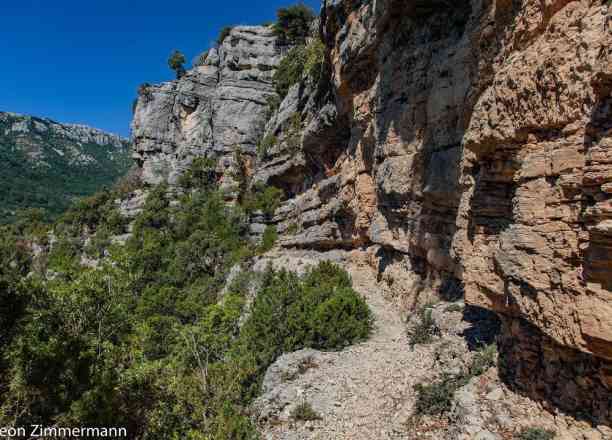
x=467 y=145
x=216 y=107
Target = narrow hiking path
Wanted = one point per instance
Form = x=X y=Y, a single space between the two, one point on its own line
x=366 y=391
x=363 y=392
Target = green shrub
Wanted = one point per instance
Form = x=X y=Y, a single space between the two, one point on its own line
x=300 y=60
x=437 y=398
x=232 y=423
x=265 y=145
x=340 y=320
x=315 y=55
x=64 y=256
x=155 y=213
x=304 y=412
x=293 y=229
x=223 y=34
x=424 y=331
x=483 y=360
x=293 y=139
x=176 y=62
x=454 y=308
x=269 y=239
x=290 y=70
x=536 y=434
x=201 y=174
x=263 y=198
x=285 y=312
x=272 y=104
x=293 y=23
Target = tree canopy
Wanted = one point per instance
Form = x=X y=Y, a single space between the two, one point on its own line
x=293 y=23
x=176 y=62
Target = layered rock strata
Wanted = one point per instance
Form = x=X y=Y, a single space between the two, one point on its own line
x=215 y=108
x=467 y=144
x=471 y=142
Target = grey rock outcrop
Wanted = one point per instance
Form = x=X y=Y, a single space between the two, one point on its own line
x=214 y=108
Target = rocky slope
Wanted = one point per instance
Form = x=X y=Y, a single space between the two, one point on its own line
x=466 y=145
x=368 y=390
x=47 y=164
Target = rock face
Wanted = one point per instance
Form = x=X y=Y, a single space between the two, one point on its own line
x=216 y=107
x=45 y=164
x=468 y=144
x=472 y=143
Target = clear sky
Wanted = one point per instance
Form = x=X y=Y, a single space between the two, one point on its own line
x=81 y=61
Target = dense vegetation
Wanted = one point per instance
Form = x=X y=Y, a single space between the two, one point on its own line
x=52 y=179
x=293 y=23
x=300 y=62
x=150 y=339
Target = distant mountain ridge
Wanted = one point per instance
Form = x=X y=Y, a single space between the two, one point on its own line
x=46 y=164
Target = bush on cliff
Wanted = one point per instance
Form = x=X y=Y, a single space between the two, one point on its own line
x=223 y=34
x=286 y=316
x=293 y=23
x=268 y=239
x=301 y=61
x=265 y=145
x=290 y=70
x=200 y=175
x=315 y=55
x=176 y=62
x=264 y=198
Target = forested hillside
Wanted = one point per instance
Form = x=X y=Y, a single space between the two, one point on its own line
x=47 y=165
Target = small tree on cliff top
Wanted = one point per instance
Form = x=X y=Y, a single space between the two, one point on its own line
x=223 y=34
x=176 y=62
x=293 y=23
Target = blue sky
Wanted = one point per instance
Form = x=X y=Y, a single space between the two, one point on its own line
x=82 y=61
